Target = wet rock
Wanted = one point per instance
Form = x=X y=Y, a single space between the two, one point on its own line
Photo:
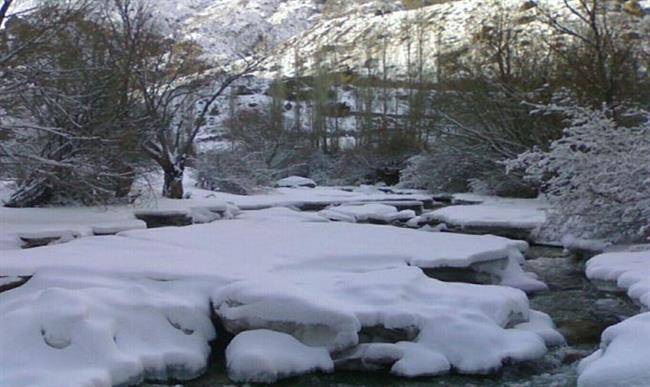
x=368 y=357
x=460 y=274
x=8 y=283
x=381 y=334
x=573 y=355
x=443 y=198
x=507 y=232
x=311 y=206
x=582 y=331
x=155 y=219
x=38 y=239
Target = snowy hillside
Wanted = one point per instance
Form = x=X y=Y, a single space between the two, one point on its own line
x=358 y=41
x=228 y=27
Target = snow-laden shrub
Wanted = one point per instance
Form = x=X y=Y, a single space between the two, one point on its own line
x=597 y=176
x=349 y=167
x=445 y=170
x=449 y=169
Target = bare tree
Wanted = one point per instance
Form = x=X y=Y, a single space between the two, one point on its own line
x=55 y=95
x=597 y=49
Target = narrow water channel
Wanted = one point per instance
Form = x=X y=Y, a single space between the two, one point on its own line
x=580 y=311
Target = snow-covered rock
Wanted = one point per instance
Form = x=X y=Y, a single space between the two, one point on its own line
x=295 y=181
x=513 y=218
x=623 y=358
x=43 y=238
x=266 y=240
x=331 y=285
x=264 y=356
x=76 y=329
x=459 y=325
x=629 y=270
x=372 y=212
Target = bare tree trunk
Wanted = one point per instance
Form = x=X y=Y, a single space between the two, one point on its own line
x=173 y=184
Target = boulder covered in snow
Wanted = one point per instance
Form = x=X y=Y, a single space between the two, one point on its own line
x=367 y=213
x=264 y=356
x=76 y=329
x=623 y=358
x=295 y=182
x=629 y=270
x=451 y=325
x=504 y=219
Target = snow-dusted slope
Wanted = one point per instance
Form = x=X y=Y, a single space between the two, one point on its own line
x=358 y=41
x=228 y=28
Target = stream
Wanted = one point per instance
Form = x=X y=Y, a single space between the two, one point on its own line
x=580 y=311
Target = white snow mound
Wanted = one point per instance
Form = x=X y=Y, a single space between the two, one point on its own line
x=61 y=331
x=366 y=212
x=462 y=326
x=623 y=359
x=295 y=182
x=264 y=356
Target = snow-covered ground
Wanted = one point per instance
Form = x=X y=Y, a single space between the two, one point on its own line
x=623 y=358
x=84 y=221
x=262 y=241
x=137 y=305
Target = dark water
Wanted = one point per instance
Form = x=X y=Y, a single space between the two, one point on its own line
x=580 y=311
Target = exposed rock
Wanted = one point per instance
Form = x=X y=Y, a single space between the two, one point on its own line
x=38 y=239
x=8 y=283
x=155 y=218
x=507 y=232
x=582 y=331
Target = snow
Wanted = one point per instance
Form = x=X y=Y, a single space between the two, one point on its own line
x=61 y=330
x=543 y=325
x=462 y=326
x=201 y=206
x=506 y=213
x=64 y=220
x=295 y=181
x=6 y=281
x=264 y=356
x=262 y=240
x=143 y=296
x=629 y=270
x=572 y=243
x=139 y=301
x=623 y=358
x=367 y=212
